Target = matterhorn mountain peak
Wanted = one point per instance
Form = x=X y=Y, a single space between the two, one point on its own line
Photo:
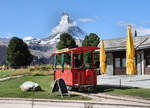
x=65 y=19
x=65 y=13
x=67 y=25
x=41 y=48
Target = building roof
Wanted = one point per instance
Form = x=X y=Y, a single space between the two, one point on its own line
x=118 y=44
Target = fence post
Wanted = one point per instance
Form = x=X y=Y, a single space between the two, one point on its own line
x=120 y=82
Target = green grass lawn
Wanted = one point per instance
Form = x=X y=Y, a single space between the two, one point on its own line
x=136 y=92
x=11 y=88
x=14 y=72
x=6 y=73
x=33 y=70
x=44 y=77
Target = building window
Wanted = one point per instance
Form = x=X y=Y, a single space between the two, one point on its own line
x=148 y=61
x=117 y=62
x=123 y=62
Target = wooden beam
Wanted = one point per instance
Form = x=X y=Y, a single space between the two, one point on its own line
x=62 y=50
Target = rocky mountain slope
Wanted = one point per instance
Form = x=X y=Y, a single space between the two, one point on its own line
x=3 y=49
x=4 y=41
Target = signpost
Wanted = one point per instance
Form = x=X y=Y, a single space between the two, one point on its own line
x=60 y=85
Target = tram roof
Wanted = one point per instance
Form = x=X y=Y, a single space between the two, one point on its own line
x=75 y=50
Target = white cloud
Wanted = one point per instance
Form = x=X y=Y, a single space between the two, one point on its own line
x=85 y=19
x=88 y=19
x=146 y=22
x=61 y=28
x=141 y=31
x=8 y=35
x=96 y=17
x=28 y=38
x=125 y=24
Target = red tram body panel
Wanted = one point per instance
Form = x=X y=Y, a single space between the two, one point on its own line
x=73 y=76
x=79 y=77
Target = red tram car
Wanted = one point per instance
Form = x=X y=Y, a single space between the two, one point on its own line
x=77 y=75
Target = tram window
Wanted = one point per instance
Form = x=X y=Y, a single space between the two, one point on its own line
x=67 y=61
x=58 y=64
x=117 y=62
x=78 y=61
x=123 y=62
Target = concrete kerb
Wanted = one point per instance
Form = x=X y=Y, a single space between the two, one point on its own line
x=73 y=101
x=125 y=98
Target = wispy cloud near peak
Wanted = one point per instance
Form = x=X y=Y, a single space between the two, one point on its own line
x=88 y=19
x=85 y=19
x=28 y=38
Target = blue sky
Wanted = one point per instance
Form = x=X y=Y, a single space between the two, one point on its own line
x=106 y=18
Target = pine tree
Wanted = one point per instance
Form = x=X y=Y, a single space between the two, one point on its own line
x=66 y=41
x=91 y=40
x=18 y=53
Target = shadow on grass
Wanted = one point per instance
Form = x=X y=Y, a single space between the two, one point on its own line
x=108 y=88
x=70 y=96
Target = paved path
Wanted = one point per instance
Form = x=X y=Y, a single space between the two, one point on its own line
x=35 y=104
x=117 y=100
x=141 y=81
